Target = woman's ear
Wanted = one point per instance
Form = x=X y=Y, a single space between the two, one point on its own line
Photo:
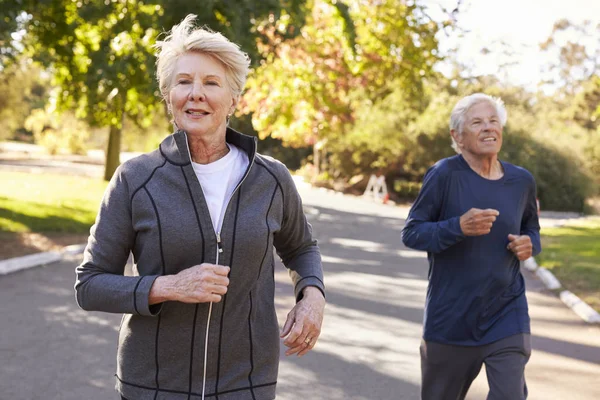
x=234 y=102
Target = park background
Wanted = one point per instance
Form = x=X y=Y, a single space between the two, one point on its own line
x=339 y=90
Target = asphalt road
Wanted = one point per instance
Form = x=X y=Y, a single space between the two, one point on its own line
x=368 y=350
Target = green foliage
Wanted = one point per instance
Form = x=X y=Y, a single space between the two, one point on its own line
x=101 y=54
x=562 y=177
x=406 y=190
x=22 y=90
x=585 y=111
x=562 y=182
x=322 y=85
x=58 y=132
x=138 y=138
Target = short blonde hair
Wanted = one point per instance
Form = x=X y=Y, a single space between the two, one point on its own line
x=459 y=113
x=184 y=38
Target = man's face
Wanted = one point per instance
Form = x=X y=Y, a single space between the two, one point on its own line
x=481 y=132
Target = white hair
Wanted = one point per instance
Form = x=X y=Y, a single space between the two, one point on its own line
x=459 y=113
x=184 y=38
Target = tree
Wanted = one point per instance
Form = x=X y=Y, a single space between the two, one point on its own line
x=23 y=90
x=577 y=82
x=101 y=55
x=322 y=87
x=577 y=48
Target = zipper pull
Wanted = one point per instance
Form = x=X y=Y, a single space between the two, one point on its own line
x=219 y=245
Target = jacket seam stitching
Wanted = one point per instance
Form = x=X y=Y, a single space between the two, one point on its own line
x=143 y=185
x=260 y=162
x=167 y=159
x=310 y=276
x=187 y=183
x=194 y=393
x=162 y=256
x=237 y=210
x=268 y=234
x=135 y=295
x=195 y=210
x=251 y=348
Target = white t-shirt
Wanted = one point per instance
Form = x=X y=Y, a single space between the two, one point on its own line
x=219 y=179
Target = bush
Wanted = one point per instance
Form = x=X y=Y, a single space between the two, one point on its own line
x=58 y=132
x=562 y=183
x=405 y=190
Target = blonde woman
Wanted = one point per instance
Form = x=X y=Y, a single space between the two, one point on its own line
x=201 y=215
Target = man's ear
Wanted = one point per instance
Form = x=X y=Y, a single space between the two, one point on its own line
x=457 y=137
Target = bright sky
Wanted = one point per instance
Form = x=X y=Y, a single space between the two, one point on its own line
x=521 y=24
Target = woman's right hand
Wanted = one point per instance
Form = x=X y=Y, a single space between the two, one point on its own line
x=202 y=283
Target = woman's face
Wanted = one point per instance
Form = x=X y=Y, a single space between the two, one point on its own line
x=482 y=131
x=200 y=98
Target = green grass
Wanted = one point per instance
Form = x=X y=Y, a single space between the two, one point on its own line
x=572 y=253
x=47 y=203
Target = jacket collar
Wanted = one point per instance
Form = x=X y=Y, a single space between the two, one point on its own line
x=176 y=150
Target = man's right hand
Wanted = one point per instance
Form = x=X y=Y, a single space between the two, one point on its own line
x=476 y=222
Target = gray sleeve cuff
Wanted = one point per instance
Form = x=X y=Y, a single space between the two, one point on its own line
x=141 y=294
x=308 y=281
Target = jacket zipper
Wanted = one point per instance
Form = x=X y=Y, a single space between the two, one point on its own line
x=219 y=250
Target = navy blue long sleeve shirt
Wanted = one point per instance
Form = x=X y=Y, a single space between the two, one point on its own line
x=476 y=293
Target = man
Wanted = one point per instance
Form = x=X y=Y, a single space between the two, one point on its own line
x=477 y=219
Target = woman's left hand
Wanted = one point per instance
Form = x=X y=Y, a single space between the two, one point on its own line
x=303 y=324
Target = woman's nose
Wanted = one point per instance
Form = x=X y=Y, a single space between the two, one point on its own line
x=197 y=92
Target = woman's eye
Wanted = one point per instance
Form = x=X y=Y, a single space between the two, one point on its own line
x=183 y=81
x=212 y=83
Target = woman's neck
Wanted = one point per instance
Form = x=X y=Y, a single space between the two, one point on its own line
x=486 y=166
x=205 y=150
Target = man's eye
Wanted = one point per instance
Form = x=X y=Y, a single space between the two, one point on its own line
x=183 y=81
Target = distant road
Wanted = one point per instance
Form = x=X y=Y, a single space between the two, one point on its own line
x=24 y=157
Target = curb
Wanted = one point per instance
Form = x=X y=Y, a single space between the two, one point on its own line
x=38 y=259
x=579 y=307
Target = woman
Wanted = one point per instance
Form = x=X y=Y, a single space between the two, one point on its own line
x=200 y=215
x=476 y=216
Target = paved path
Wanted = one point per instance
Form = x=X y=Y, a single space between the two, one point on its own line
x=368 y=350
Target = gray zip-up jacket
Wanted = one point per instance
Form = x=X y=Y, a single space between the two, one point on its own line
x=154 y=208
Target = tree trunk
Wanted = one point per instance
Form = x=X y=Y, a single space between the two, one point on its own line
x=113 y=151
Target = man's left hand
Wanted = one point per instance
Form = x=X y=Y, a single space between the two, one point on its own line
x=521 y=246
x=303 y=324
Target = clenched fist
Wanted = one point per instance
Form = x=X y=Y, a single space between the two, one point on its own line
x=521 y=246
x=476 y=222
x=202 y=283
